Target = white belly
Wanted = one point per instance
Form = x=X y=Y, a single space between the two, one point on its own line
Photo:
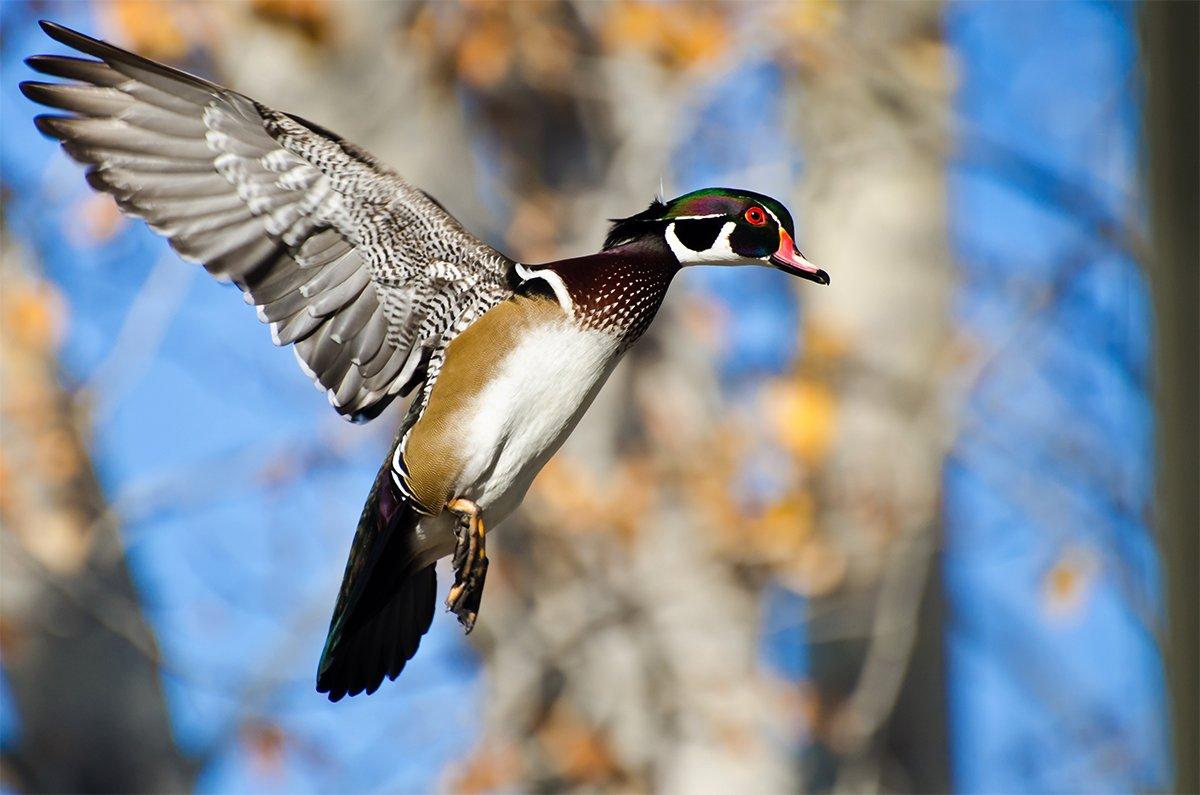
x=526 y=412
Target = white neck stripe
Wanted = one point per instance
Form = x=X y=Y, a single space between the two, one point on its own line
x=680 y=251
x=556 y=284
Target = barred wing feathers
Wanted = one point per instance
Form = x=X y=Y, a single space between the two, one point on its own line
x=367 y=276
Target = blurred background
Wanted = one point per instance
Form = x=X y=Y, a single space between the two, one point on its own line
x=931 y=528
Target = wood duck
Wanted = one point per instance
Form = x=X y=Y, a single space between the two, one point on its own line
x=382 y=293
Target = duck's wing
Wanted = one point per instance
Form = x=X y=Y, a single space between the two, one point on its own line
x=365 y=275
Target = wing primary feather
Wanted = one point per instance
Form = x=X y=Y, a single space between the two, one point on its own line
x=333 y=375
x=154 y=74
x=404 y=379
x=257 y=256
x=86 y=100
x=154 y=119
x=191 y=226
x=140 y=161
x=165 y=100
x=149 y=185
x=271 y=284
x=351 y=385
x=330 y=276
x=338 y=296
x=211 y=250
x=383 y=361
x=320 y=353
x=284 y=307
x=368 y=343
x=321 y=249
x=115 y=135
x=70 y=68
x=353 y=318
x=298 y=327
x=170 y=209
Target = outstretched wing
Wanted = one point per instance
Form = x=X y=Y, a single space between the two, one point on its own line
x=365 y=275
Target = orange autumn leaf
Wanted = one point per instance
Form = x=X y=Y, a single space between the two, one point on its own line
x=817 y=568
x=680 y=36
x=802 y=414
x=579 y=751
x=62 y=543
x=491 y=767
x=930 y=64
x=266 y=744
x=811 y=17
x=547 y=54
x=485 y=55
x=148 y=27
x=634 y=25
x=313 y=18
x=34 y=315
x=697 y=37
x=100 y=218
x=785 y=525
x=822 y=344
x=1068 y=583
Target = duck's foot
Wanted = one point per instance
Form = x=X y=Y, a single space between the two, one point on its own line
x=470 y=562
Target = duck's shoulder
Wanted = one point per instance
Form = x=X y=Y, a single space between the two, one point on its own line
x=475 y=356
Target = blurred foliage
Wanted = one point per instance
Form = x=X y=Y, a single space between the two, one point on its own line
x=42 y=460
x=679 y=37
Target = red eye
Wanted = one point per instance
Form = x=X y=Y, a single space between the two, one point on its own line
x=756 y=216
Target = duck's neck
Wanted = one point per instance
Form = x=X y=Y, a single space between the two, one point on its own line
x=620 y=289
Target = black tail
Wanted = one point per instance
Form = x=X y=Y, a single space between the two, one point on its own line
x=385 y=604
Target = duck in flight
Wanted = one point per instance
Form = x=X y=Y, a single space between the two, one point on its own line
x=381 y=293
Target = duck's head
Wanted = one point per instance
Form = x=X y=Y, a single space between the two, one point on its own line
x=720 y=226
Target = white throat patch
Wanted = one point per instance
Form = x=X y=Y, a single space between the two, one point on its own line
x=719 y=253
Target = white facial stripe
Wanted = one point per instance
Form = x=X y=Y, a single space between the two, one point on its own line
x=719 y=253
x=773 y=215
x=721 y=249
x=694 y=217
x=556 y=284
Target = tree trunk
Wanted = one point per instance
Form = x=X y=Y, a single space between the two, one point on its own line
x=80 y=659
x=873 y=118
x=1171 y=130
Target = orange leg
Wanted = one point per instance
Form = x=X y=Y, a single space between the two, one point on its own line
x=470 y=562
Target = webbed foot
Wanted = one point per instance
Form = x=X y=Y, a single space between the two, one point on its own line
x=470 y=562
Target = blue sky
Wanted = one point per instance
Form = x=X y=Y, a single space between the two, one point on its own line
x=1053 y=470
